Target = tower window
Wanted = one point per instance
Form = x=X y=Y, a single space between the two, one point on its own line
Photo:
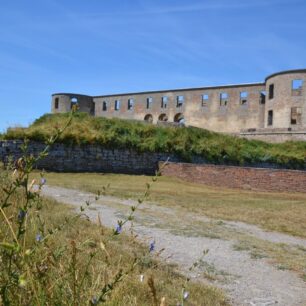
x=56 y=103
x=270 y=117
x=104 y=106
x=296 y=115
x=296 y=87
x=73 y=102
x=271 y=91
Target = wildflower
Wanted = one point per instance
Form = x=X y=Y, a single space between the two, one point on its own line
x=152 y=246
x=94 y=301
x=38 y=238
x=185 y=295
x=43 y=181
x=118 y=229
x=141 y=278
x=22 y=282
x=21 y=215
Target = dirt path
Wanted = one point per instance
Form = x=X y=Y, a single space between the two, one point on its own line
x=247 y=280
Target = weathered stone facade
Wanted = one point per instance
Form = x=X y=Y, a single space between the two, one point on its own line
x=278 y=103
x=89 y=158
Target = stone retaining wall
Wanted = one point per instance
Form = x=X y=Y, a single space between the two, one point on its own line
x=89 y=158
x=239 y=177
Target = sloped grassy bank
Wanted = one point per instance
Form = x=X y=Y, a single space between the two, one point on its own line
x=185 y=141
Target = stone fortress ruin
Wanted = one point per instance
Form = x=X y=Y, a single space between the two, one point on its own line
x=274 y=110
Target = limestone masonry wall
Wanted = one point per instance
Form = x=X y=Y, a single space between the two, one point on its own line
x=239 y=177
x=87 y=158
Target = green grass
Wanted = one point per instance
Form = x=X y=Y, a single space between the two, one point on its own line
x=185 y=142
x=282 y=212
x=53 y=269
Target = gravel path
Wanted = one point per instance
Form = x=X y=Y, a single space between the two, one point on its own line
x=247 y=281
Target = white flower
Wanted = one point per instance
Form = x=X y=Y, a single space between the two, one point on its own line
x=185 y=295
x=141 y=277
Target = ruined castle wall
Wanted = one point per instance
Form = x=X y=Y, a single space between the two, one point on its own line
x=242 y=108
x=229 y=118
x=208 y=114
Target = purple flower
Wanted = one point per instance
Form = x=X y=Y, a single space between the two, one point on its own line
x=118 y=229
x=21 y=215
x=38 y=238
x=152 y=246
x=43 y=181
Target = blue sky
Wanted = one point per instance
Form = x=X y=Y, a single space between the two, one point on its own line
x=100 y=47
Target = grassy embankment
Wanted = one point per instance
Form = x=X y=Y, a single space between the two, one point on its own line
x=186 y=142
x=53 y=264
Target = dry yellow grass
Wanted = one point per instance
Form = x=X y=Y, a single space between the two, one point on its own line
x=283 y=212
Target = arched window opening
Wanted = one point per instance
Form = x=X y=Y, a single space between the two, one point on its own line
x=179 y=118
x=163 y=117
x=73 y=102
x=148 y=118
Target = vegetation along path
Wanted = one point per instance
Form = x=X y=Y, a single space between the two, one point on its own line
x=253 y=266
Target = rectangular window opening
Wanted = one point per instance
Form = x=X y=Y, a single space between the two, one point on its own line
x=243 y=97
x=296 y=87
x=164 y=102
x=271 y=91
x=270 y=117
x=262 y=97
x=56 y=103
x=130 y=104
x=117 y=105
x=149 y=102
x=179 y=101
x=205 y=98
x=296 y=115
x=104 y=106
x=223 y=99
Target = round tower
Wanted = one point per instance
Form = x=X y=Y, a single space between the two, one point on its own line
x=63 y=103
x=286 y=100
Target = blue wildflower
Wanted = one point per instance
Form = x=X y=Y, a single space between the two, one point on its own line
x=43 y=181
x=118 y=229
x=152 y=246
x=38 y=238
x=21 y=215
x=94 y=301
